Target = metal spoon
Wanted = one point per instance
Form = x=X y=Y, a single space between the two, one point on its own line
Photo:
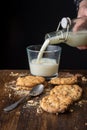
x=35 y=91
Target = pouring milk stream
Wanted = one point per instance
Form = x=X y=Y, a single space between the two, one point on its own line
x=66 y=35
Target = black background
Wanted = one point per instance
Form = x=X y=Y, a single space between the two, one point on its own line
x=25 y=22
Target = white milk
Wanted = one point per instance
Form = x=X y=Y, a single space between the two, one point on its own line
x=44 y=46
x=77 y=39
x=74 y=39
x=48 y=67
x=45 y=67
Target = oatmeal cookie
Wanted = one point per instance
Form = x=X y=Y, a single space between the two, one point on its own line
x=28 y=82
x=60 y=98
x=53 y=104
x=72 y=91
x=64 y=80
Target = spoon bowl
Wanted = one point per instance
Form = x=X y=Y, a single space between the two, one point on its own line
x=35 y=91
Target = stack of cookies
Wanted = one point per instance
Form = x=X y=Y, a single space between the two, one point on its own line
x=28 y=82
x=65 y=91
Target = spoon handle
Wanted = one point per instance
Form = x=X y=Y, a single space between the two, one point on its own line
x=14 y=105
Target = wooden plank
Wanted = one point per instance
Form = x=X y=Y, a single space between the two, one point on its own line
x=27 y=118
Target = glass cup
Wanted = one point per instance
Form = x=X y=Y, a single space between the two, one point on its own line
x=48 y=65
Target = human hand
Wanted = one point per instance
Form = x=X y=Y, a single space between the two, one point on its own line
x=82 y=23
x=82 y=11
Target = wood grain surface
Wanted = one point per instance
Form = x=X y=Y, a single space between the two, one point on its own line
x=27 y=118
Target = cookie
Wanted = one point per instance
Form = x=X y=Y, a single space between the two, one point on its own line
x=28 y=82
x=53 y=104
x=72 y=91
x=60 y=98
x=64 y=80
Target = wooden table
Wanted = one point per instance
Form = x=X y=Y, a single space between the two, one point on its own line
x=27 y=119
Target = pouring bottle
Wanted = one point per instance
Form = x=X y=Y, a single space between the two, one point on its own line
x=70 y=33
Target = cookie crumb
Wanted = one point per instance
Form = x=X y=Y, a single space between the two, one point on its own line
x=71 y=110
x=9 y=95
x=57 y=113
x=84 y=79
x=14 y=74
x=39 y=110
x=86 y=124
x=18 y=113
x=32 y=103
x=80 y=103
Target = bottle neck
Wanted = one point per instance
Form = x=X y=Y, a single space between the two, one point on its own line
x=69 y=34
x=57 y=36
x=60 y=37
